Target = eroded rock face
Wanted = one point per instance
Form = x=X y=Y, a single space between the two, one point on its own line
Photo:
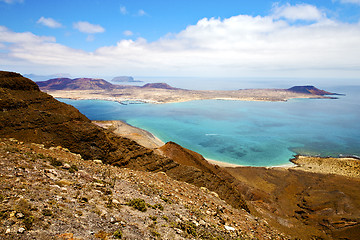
x=30 y=115
x=303 y=204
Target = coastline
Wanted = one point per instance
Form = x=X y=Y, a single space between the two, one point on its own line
x=345 y=166
x=141 y=136
x=160 y=96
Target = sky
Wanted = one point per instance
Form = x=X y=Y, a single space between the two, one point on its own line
x=182 y=38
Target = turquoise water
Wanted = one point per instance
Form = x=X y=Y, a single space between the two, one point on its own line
x=246 y=133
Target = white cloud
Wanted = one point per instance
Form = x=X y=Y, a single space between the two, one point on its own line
x=12 y=1
x=141 y=13
x=351 y=1
x=298 y=12
x=128 y=33
x=123 y=10
x=240 y=46
x=86 y=27
x=90 y=38
x=49 y=22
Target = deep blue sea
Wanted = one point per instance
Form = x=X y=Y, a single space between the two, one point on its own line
x=246 y=133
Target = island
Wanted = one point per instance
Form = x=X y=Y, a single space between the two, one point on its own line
x=87 y=88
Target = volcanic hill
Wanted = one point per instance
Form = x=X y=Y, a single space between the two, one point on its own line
x=77 y=83
x=309 y=90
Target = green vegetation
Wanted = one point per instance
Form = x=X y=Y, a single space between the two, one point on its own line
x=4 y=214
x=46 y=212
x=138 y=204
x=157 y=206
x=28 y=222
x=166 y=200
x=73 y=168
x=54 y=162
x=188 y=227
x=155 y=234
x=117 y=234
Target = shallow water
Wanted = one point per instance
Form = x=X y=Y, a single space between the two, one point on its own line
x=246 y=133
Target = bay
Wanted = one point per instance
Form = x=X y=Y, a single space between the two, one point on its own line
x=246 y=133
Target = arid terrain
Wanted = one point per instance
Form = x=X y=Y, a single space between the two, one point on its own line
x=85 y=88
x=51 y=193
x=64 y=177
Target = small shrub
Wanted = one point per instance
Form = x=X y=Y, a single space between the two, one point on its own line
x=159 y=206
x=28 y=222
x=54 y=162
x=154 y=218
x=73 y=169
x=138 y=204
x=102 y=235
x=24 y=207
x=46 y=212
x=166 y=200
x=188 y=227
x=41 y=156
x=117 y=234
x=165 y=218
x=4 y=214
x=155 y=234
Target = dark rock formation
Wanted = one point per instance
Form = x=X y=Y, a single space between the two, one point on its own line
x=30 y=115
x=309 y=90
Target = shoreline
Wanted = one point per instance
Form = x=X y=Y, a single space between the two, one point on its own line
x=149 y=140
x=345 y=166
x=161 y=96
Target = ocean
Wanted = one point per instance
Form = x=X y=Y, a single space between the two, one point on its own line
x=244 y=132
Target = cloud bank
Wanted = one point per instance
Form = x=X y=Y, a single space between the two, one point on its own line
x=49 y=22
x=86 y=27
x=239 y=46
x=351 y=1
x=12 y=1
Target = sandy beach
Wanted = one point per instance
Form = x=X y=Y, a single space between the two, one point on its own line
x=138 y=135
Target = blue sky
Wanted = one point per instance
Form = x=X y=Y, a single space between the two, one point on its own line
x=181 y=38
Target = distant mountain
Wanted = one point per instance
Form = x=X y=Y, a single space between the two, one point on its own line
x=75 y=84
x=124 y=79
x=37 y=78
x=158 y=85
x=309 y=90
